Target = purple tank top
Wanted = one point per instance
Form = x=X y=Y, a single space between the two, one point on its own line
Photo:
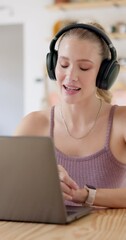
x=100 y=169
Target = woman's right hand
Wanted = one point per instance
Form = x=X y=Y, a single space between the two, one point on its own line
x=67 y=183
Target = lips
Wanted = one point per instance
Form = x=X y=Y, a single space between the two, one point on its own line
x=71 y=88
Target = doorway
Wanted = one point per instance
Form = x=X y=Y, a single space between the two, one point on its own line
x=11 y=77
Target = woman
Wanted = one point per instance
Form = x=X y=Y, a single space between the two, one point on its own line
x=88 y=132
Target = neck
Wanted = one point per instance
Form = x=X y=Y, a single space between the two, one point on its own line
x=80 y=113
x=85 y=122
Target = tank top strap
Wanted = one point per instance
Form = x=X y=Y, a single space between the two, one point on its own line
x=52 y=121
x=109 y=127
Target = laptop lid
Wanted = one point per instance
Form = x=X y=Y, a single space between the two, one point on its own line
x=29 y=182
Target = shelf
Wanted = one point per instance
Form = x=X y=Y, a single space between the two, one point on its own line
x=82 y=5
x=118 y=35
x=123 y=68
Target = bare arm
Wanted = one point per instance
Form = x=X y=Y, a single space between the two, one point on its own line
x=113 y=198
x=34 y=124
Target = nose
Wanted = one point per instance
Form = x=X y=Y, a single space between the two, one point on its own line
x=72 y=75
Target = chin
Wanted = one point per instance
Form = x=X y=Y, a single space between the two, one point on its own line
x=70 y=101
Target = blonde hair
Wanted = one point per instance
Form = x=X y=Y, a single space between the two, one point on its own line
x=103 y=50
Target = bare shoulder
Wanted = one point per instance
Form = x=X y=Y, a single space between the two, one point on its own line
x=35 y=123
x=120 y=113
x=120 y=120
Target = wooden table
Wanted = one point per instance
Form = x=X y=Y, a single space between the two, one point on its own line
x=107 y=224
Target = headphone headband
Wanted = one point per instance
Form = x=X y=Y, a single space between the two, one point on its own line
x=109 y=68
x=91 y=28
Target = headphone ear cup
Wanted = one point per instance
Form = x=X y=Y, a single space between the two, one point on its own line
x=51 y=60
x=107 y=74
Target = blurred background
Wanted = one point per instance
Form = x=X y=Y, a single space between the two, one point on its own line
x=26 y=29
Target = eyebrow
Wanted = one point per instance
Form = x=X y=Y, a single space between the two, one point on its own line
x=85 y=60
x=79 y=60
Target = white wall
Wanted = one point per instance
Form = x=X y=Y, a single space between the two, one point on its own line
x=38 y=21
x=32 y=14
x=11 y=77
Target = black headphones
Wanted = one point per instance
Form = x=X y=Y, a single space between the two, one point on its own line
x=109 y=68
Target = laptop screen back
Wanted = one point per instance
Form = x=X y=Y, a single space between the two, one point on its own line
x=29 y=182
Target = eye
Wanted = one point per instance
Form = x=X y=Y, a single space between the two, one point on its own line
x=64 y=65
x=84 y=69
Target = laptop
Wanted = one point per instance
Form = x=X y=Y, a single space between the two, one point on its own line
x=29 y=182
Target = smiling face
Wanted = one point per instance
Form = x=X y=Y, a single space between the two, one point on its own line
x=77 y=68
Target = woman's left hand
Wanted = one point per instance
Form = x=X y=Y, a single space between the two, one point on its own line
x=79 y=195
x=67 y=183
x=70 y=189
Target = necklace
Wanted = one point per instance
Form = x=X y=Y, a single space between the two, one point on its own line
x=67 y=129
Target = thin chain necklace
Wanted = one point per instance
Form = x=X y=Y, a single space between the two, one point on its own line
x=67 y=129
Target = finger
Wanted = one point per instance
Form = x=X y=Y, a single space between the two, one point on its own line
x=67 y=197
x=61 y=168
x=65 y=189
x=70 y=182
x=64 y=177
